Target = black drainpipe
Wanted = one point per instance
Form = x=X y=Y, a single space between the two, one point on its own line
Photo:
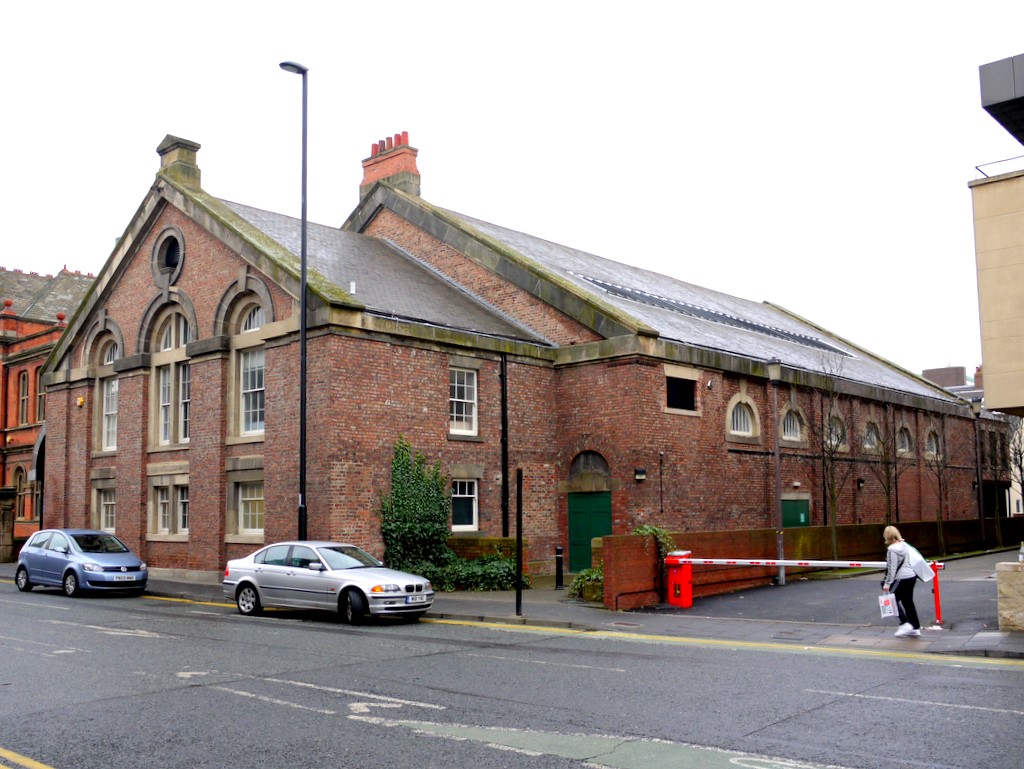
x=504 y=445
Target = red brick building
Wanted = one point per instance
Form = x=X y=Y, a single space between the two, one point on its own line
x=32 y=319
x=624 y=396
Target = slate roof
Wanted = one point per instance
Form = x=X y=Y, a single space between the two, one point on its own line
x=388 y=281
x=701 y=317
x=41 y=297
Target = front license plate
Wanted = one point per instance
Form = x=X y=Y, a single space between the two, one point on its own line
x=124 y=578
x=415 y=599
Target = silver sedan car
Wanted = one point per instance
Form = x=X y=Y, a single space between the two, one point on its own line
x=324 y=575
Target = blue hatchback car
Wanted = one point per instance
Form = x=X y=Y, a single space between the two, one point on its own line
x=79 y=559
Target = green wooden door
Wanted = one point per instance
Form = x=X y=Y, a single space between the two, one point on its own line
x=590 y=515
x=796 y=512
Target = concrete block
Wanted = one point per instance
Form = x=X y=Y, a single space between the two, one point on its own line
x=1010 y=602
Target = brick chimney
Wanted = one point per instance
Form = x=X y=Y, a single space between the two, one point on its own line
x=178 y=161
x=394 y=161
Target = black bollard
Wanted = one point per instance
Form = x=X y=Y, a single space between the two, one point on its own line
x=558 y=568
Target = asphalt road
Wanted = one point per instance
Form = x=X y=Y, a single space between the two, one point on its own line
x=113 y=682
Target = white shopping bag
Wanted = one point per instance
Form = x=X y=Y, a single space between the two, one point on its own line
x=887 y=605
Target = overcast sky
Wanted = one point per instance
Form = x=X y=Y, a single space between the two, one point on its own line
x=814 y=154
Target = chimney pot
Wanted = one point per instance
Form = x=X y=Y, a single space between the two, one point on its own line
x=392 y=160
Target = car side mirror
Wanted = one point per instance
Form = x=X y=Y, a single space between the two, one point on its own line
x=62 y=550
x=316 y=566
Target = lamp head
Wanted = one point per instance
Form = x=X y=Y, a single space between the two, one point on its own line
x=292 y=66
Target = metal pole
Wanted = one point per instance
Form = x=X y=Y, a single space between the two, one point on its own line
x=559 y=568
x=519 y=542
x=290 y=66
x=779 y=544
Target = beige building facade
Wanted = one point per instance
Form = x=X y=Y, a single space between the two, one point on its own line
x=999 y=249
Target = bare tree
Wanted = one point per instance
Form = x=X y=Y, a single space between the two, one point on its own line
x=886 y=444
x=945 y=452
x=1015 y=449
x=829 y=438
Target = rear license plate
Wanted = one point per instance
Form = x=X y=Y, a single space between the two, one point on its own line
x=415 y=599
x=124 y=578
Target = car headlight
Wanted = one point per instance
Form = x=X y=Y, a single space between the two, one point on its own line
x=91 y=567
x=427 y=586
x=142 y=566
x=385 y=589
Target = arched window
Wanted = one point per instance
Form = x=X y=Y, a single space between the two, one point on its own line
x=253 y=320
x=903 y=443
x=742 y=420
x=109 y=352
x=792 y=426
x=932 y=446
x=835 y=436
x=23 y=398
x=872 y=437
x=249 y=362
x=172 y=377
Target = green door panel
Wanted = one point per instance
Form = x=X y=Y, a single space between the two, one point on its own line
x=590 y=515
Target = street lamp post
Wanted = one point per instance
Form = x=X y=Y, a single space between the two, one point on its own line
x=298 y=69
x=774 y=375
x=976 y=407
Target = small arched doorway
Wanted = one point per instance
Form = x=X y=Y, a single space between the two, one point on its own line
x=590 y=506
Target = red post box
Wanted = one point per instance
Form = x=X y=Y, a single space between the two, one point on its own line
x=680 y=578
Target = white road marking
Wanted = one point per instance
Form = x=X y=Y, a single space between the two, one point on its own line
x=31 y=605
x=362 y=695
x=131 y=632
x=187 y=674
x=542 y=662
x=274 y=701
x=53 y=647
x=918 y=702
x=364 y=707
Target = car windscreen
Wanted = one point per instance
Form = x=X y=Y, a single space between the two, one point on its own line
x=347 y=557
x=99 y=543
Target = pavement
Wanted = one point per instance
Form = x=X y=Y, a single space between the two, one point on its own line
x=836 y=609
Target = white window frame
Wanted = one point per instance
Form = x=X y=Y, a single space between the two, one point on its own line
x=181 y=511
x=107 y=509
x=792 y=426
x=741 y=420
x=462 y=401
x=172 y=379
x=251 y=507
x=164 y=518
x=109 y=389
x=23 y=398
x=466 y=488
x=252 y=392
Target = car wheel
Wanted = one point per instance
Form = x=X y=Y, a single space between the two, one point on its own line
x=70 y=584
x=248 y=600
x=353 y=606
x=22 y=581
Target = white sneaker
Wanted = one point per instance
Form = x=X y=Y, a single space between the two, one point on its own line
x=914 y=632
x=905 y=629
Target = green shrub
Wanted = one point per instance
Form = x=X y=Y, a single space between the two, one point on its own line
x=415 y=515
x=593 y=575
x=414 y=524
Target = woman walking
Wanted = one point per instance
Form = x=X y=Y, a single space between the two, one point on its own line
x=900 y=579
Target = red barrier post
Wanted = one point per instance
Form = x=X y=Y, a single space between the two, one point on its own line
x=938 y=594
